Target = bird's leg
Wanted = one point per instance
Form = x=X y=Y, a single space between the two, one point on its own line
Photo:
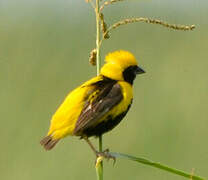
x=91 y=145
x=104 y=154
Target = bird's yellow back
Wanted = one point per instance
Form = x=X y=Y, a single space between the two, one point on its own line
x=64 y=119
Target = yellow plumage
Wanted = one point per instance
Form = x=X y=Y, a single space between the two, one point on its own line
x=99 y=104
x=64 y=119
x=116 y=62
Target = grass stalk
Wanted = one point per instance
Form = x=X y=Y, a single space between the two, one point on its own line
x=99 y=163
x=97 y=12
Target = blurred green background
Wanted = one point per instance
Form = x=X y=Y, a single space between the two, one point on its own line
x=44 y=49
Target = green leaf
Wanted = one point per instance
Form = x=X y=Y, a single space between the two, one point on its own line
x=156 y=165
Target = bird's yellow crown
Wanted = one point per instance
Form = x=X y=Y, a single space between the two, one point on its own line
x=116 y=63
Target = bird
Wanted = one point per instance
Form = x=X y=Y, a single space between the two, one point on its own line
x=99 y=104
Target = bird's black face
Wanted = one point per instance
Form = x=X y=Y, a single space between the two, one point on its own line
x=129 y=74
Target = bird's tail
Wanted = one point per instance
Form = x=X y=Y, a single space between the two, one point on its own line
x=48 y=142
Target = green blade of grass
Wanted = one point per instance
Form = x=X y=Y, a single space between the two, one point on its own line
x=156 y=165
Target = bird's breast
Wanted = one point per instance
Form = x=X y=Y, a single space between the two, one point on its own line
x=127 y=93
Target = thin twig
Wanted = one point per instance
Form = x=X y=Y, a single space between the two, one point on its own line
x=149 y=21
x=108 y=3
x=104 y=26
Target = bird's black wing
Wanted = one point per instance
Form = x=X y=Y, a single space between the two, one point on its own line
x=109 y=96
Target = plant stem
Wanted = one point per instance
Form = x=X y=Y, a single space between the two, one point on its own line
x=99 y=162
x=97 y=7
x=99 y=165
x=101 y=147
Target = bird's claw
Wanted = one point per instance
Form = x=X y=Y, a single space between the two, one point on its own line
x=105 y=154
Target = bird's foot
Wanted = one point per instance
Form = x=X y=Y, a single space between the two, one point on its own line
x=106 y=155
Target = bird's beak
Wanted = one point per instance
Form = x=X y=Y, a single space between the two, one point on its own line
x=139 y=70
